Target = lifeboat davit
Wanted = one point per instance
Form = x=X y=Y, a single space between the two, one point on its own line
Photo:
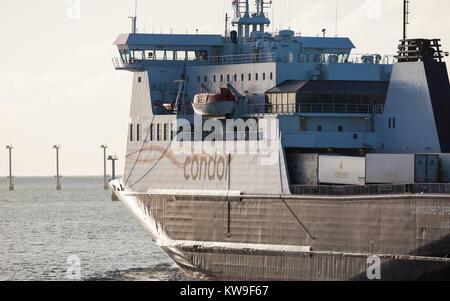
x=222 y=103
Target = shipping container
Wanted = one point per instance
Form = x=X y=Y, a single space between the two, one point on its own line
x=427 y=168
x=390 y=168
x=444 y=168
x=342 y=170
x=303 y=168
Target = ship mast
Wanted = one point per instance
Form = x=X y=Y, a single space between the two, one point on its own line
x=246 y=19
x=134 y=19
x=405 y=17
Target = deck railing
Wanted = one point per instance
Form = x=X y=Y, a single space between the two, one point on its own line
x=305 y=108
x=350 y=190
x=314 y=108
x=120 y=63
x=235 y=59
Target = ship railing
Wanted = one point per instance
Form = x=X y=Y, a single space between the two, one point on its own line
x=352 y=58
x=289 y=109
x=350 y=190
x=370 y=58
x=120 y=63
x=235 y=59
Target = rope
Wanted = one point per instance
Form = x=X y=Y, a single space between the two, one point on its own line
x=140 y=151
x=154 y=165
x=298 y=220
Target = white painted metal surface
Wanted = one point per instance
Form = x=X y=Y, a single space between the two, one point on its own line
x=409 y=102
x=390 y=169
x=342 y=170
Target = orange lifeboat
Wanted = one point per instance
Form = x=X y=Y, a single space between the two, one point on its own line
x=222 y=103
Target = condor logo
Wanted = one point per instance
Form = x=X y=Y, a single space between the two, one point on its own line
x=204 y=167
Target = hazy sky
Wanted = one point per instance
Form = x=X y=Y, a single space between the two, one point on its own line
x=58 y=85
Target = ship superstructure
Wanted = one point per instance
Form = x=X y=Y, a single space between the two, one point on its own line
x=286 y=172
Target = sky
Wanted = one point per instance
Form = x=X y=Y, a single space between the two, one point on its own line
x=58 y=84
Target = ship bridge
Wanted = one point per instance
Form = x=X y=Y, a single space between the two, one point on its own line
x=135 y=48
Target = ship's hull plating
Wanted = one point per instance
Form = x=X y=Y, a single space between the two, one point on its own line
x=301 y=238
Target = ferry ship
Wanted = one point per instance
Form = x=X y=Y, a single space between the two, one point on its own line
x=259 y=156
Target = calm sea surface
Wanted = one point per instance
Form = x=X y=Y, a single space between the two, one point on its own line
x=44 y=231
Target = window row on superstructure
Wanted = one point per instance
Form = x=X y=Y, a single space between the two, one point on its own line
x=233 y=77
x=164 y=55
x=167 y=132
x=158 y=132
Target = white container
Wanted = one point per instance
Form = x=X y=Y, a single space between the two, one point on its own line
x=444 y=168
x=342 y=170
x=390 y=168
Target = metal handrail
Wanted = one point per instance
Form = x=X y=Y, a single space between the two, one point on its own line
x=349 y=190
x=120 y=63
x=235 y=59
x=358 y=58
x=304 y=108
x=324 y=108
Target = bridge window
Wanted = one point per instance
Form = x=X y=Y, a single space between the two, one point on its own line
x=235 y=77
x=319 y=128
x=138 y=54
x=340 y=128
x=389 y=122
x=191 y=56
x=181 y=55
x=160 y=54
x=393 y=123
x=228 y=77
x=264 y=76
x=205 y=79
x=256 y=76
x=169 y=55
x=221 y=78
x=271 y=76
x=149 y=54
x=249 y=77
x=198 y=78
x=202 y=55
x=125 y=55
x=242 y=77
x=214 y=78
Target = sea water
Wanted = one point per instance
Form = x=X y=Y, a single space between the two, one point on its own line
x=77 y=233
